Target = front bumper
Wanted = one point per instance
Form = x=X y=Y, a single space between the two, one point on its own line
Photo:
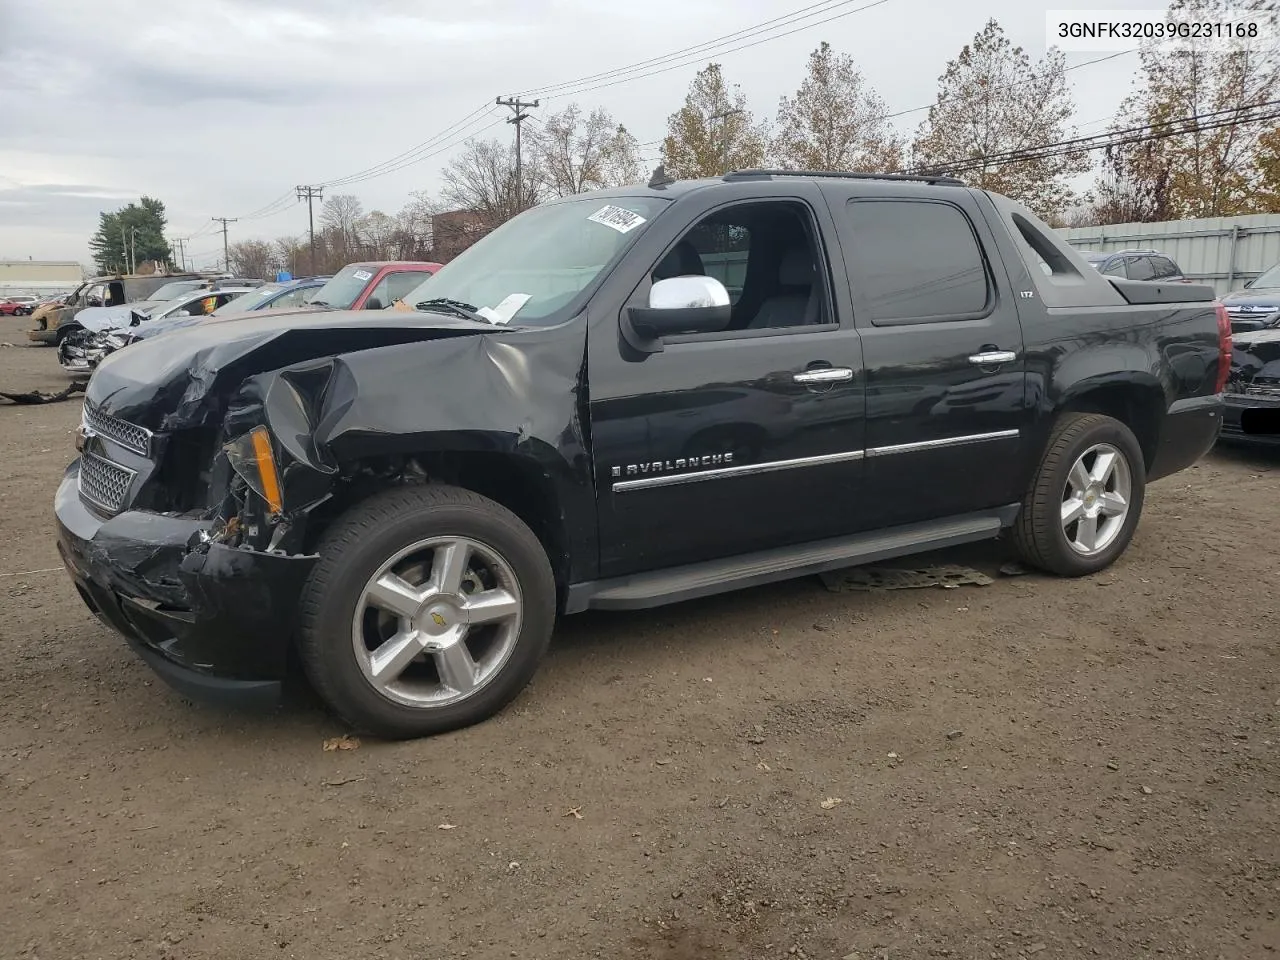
x=1251 y=419
x=49 y=337
x=215 y=622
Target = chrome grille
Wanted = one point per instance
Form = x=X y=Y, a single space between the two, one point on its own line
x=103 y=483
x=137 y=439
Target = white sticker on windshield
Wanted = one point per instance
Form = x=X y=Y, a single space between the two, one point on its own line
x=624 y=221
x=508 y=308
x=362 y=275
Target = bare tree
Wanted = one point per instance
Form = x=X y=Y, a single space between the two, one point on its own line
x=993 y=100
x=254 y=259
x=575 y=152
x=377 y=230
x=291 y=253
x=340 y=217
x=836 y=121
x=482 y=180
x=714 y=131
x=1202 y=173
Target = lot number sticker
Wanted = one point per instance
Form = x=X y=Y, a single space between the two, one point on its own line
x=362 y=274
x=624 y=221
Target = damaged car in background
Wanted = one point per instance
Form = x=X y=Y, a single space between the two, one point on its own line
x=81 y=354
x=402 y=503
x=89 y=338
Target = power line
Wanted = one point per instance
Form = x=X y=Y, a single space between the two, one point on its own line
x=717 y=52
x=1213 y=120
x=403 y=159
x=442 y=148
x=1077 y=66
x=700 y=50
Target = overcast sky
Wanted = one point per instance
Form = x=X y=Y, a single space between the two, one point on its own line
x=219 y=107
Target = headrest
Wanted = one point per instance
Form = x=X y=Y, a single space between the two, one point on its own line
x=796 y=268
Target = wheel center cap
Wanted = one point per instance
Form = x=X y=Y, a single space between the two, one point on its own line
x=440 y=616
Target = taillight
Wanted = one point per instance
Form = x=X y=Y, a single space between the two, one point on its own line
x=1224 y=347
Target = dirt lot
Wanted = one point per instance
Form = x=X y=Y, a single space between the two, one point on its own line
x=1036 y=768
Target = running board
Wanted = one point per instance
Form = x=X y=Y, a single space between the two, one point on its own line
x=642 y=590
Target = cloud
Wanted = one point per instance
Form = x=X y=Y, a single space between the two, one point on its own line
x=219 y=106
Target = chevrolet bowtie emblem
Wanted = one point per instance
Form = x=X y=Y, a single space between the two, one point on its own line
x=438 y=619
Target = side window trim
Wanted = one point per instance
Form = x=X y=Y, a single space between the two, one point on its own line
x=992 y=301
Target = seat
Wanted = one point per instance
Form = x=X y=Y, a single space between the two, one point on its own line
x=797 y=300
x=682 y=261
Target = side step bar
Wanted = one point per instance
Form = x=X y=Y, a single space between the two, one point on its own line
x=642 y=590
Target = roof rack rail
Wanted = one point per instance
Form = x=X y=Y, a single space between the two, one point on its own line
x=843 y=175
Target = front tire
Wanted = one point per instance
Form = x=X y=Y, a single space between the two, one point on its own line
x=429 y=610
x=1085 y=499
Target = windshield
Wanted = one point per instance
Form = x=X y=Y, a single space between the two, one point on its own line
x=174 y=289
x=534 y=267
x=247 y=302
x=343 y=287
x=1269 y=279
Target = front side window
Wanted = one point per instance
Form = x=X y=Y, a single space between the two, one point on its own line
x=765 y=254
x=536 y=268
x=917 y=260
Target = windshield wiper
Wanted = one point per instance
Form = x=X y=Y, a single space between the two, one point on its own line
x=456 y=307
x=319 y=303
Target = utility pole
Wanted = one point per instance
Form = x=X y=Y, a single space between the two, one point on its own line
x=180 y=243
x=719 y=141
x=124 y=250
x=519 y=106
x=309 y=194
x=133 y=246
x=226 y=249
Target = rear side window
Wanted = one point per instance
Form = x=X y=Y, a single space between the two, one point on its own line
x=1164 y=268
x=917 y=261
x=1140 y=268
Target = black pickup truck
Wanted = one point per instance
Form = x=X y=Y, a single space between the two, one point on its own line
x=619 y=400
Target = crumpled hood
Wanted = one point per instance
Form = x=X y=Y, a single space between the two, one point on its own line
x=1268 y=297
x=185 y=378
x=97 y=319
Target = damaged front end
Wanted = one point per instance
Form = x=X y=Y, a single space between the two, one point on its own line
x=212 y=461
x=1252 y=396
x=81 y=352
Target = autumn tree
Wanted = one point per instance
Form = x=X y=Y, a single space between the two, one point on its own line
x=293 y=254
x=835 y=121
x=713 y=132
x=254 y=259
x=993 y=100
x=1199 y=172
x=1267 y=164
x=377 y=232
x=575 y=151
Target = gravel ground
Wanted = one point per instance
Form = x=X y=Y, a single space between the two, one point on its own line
x=1035 y=768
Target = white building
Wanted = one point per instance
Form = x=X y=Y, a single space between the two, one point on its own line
x=42 y=278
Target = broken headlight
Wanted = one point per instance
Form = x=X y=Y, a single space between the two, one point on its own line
x=252 y=458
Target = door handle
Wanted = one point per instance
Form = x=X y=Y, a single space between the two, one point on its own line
x=993 y=357
x=823 y=375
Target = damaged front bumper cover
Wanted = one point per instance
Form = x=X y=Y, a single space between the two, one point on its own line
x=214 y=621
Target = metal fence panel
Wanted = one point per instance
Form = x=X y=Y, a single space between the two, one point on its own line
x=1224 y=252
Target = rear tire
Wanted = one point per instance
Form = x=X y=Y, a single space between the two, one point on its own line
x=1085 y=499
x=429 y=610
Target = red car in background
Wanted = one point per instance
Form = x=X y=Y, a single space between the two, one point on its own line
x=371 y=286
x=17 y=306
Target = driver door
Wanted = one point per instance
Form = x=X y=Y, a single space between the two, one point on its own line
x=727 y=443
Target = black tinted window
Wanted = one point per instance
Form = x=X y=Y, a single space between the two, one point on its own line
x=1164 y=267
x=1140 y=268
x=915 y=260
